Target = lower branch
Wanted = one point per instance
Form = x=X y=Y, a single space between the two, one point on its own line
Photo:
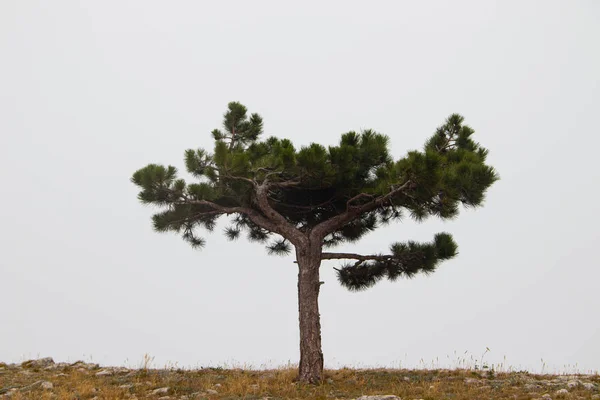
x=354 y=256
x=405 y=260
x=252 y=214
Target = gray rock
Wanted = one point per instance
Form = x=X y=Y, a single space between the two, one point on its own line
x=10 y=393
x=47 y=385
x=561 y=392
x=531 y=386
x=163 y=390
x=379 y=397
x=84 y=365
x=104 y=372
x=211 y=391
x=109 y=371
x=588 y=385
x=126 y=386
x=37 y=384
x=39 y=363
x=573 y=384
x=8 y=389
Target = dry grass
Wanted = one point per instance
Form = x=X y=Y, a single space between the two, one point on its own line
x=74 y=382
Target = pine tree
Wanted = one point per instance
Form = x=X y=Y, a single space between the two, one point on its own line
x=317 y=198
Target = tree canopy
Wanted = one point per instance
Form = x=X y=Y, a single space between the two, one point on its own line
x=345 y=191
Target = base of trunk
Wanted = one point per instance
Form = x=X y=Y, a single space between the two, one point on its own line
x=312 y=373
x=311 y=356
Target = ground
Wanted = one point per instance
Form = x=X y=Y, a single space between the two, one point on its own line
x=44 y=379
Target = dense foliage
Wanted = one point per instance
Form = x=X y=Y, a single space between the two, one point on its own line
x=314 y=184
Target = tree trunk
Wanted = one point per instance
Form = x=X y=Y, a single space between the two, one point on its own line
x=311 y=355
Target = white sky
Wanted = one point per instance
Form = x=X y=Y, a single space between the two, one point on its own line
x=92 y=91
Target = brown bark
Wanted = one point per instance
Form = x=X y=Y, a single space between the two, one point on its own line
x=311 y=355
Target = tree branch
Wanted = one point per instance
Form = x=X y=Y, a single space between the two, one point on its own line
x=239 y=178
x=253 y=215
x=354 y=256
x=215 y=206
x=285 y=228
x=326 y=227
x=358 y=196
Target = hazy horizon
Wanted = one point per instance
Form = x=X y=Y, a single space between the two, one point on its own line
x=92 y=91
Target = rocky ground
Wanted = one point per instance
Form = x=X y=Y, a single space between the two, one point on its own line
x=45 y=379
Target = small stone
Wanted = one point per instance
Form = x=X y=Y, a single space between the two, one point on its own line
x=37 y=384
x=546 y=396
x=163 y=390
x=561 y=392
x=104 y=372
x=211 y=391
x=572 y=384
x=379 y=397
x=406 y=378
x=588 y=386
x=84 y=365
x=127 y=386
x=596 y=397
x=47 y=385
x=330 y=381
x=164 y=398
x=218 y=385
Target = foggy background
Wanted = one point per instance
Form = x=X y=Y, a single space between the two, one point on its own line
x=92 y=91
